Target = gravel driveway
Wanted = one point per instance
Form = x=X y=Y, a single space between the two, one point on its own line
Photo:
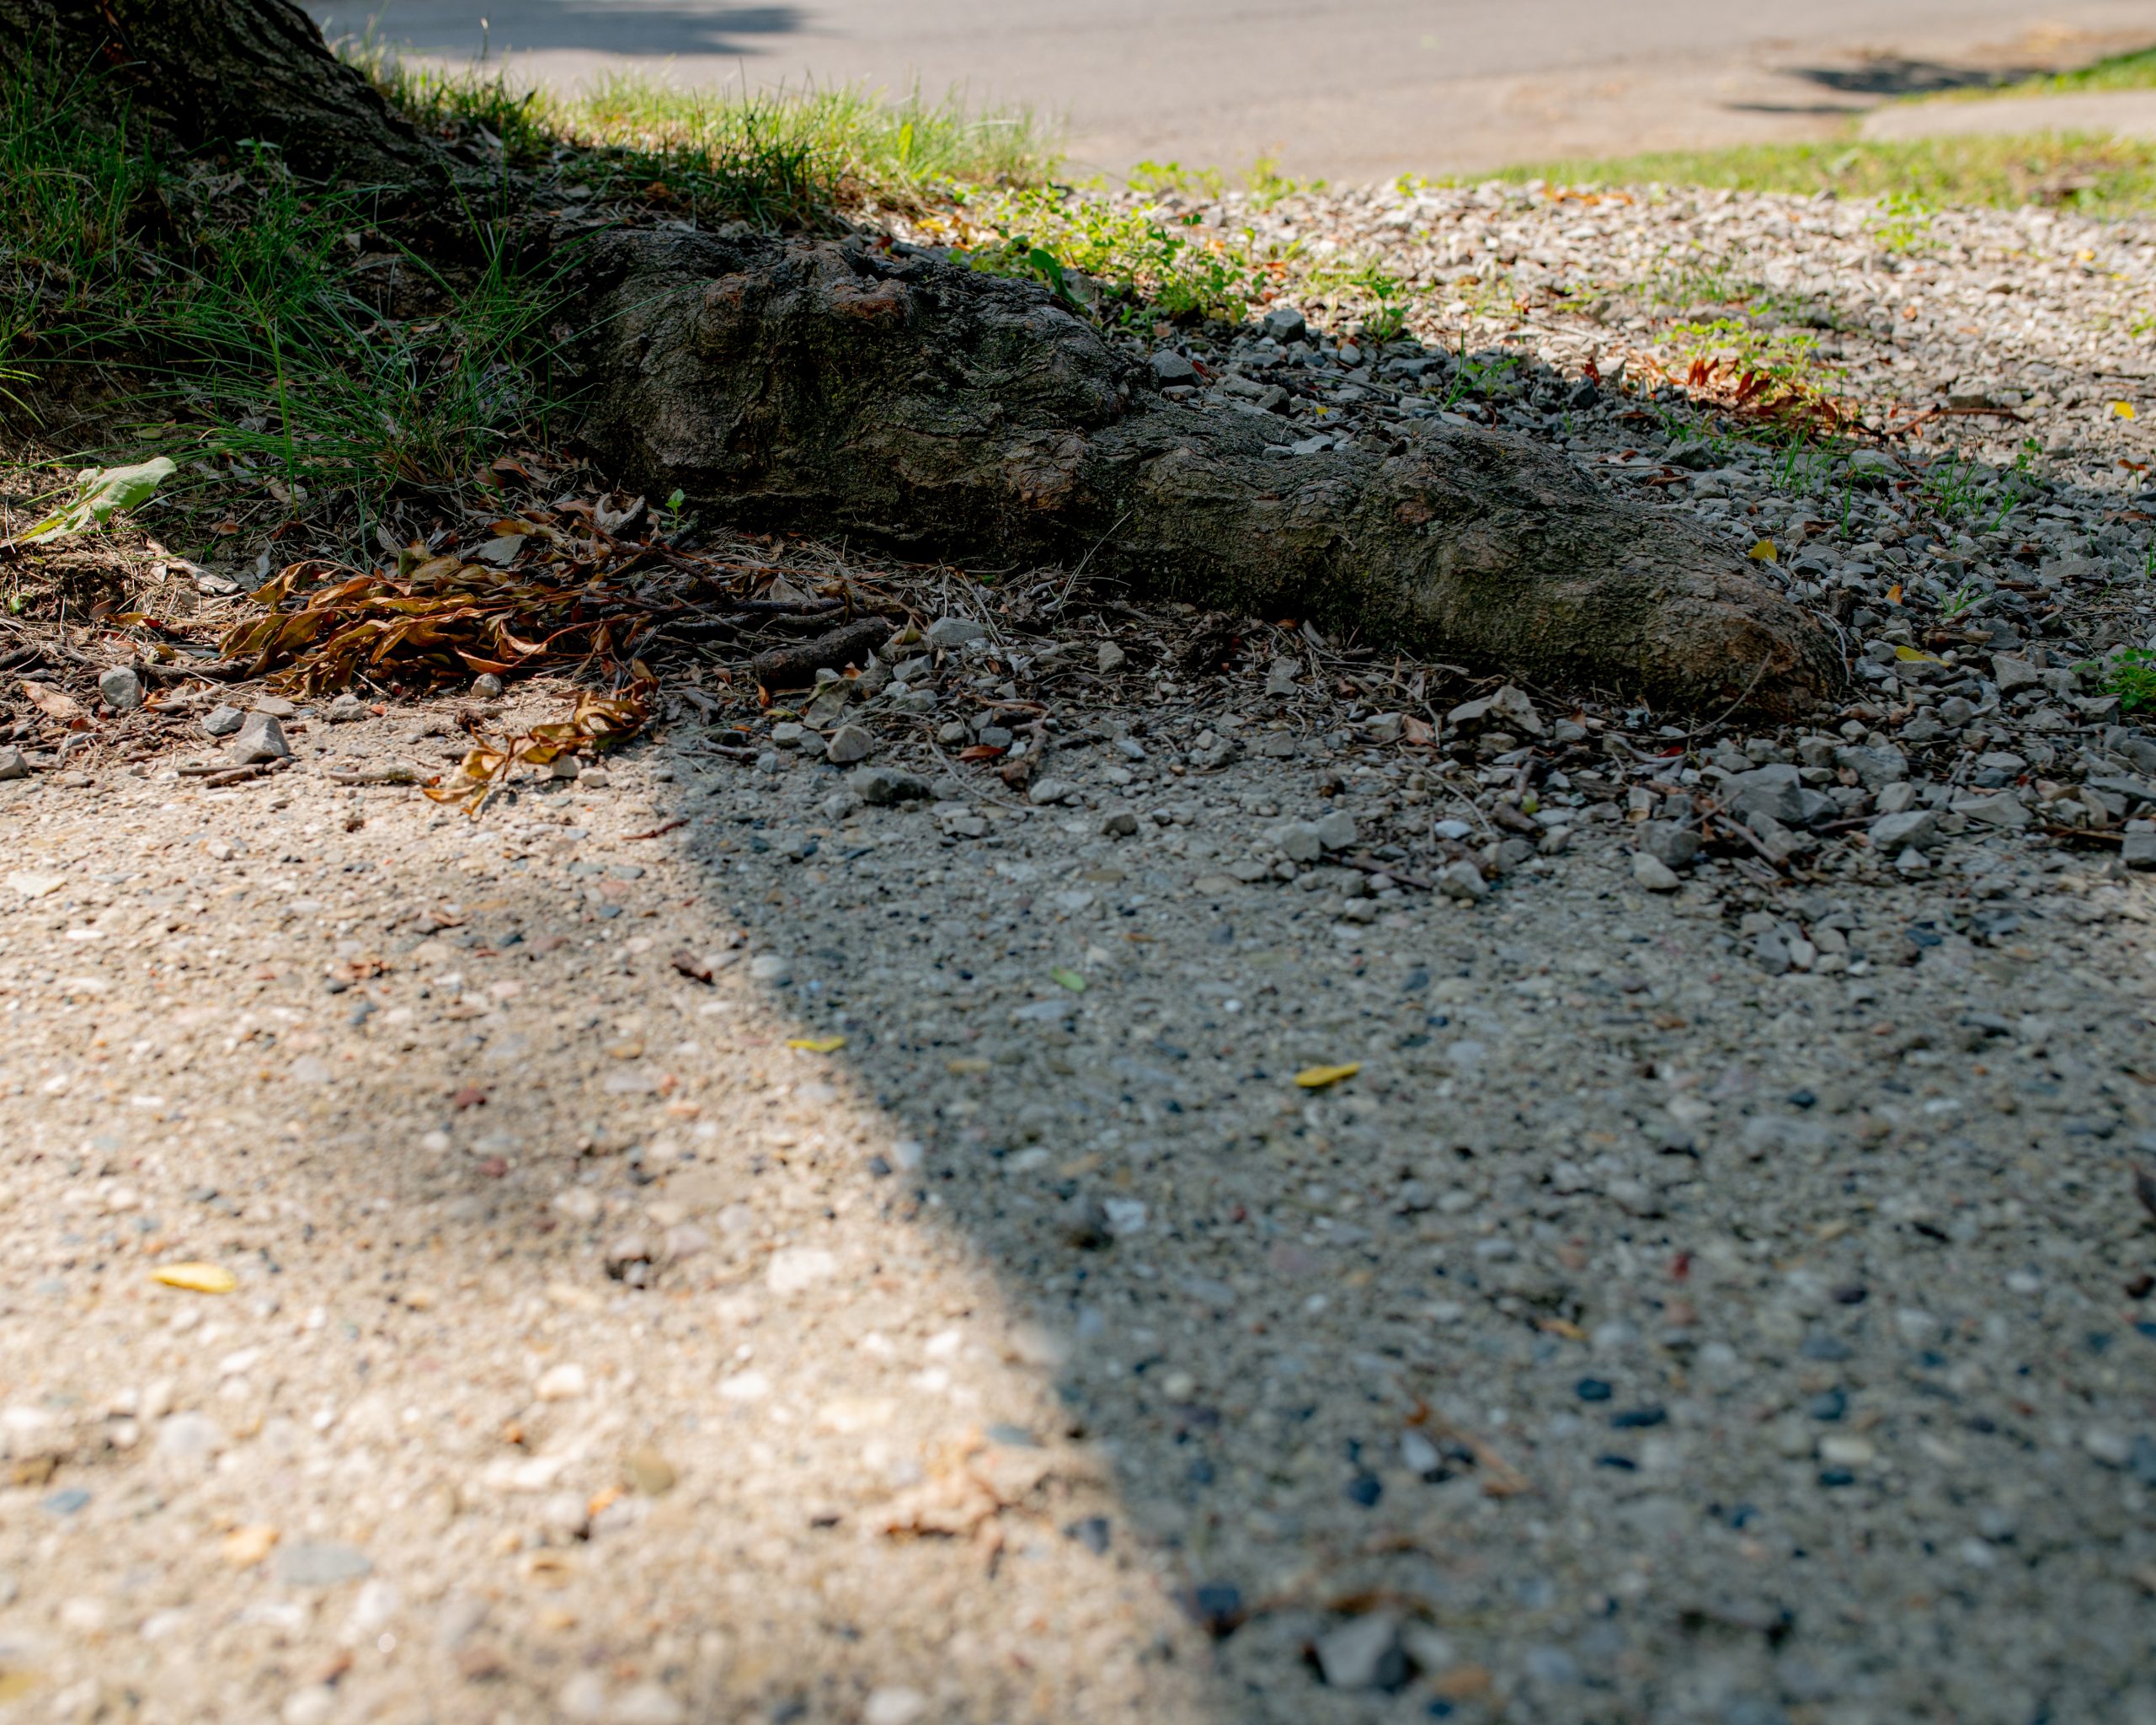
x=1323 y=1203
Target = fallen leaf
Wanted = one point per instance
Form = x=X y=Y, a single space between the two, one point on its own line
x=1324 y=1077
x=2123 y=410
x=471 y=1096
x=1764 y=552
x=816 y=1044
x=1917 y=656
x=53 y=703
x=1067 y=978
x=1894 y=594
x=99 y=493
x=196 y=1278
x=246 y=1547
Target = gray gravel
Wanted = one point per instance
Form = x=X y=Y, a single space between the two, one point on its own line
x=1719 y=1294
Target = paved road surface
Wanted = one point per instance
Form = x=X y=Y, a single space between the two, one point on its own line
x=1356 y=89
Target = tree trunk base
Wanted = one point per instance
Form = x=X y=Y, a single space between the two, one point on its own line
x=197 y=72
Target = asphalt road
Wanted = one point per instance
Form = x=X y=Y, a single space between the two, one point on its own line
x=1358 y=89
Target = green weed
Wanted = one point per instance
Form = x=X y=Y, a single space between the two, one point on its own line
x=1903 y=223
x=1267 y=186
x=1128 y=264
x=2130 y=674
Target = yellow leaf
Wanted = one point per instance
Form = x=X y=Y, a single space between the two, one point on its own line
x=1764 y=552
x=1320 y=1078
x=196 y=1278
x=246 y=1547
x=2123 y=410
x=1917 y=656
x=816 y=1044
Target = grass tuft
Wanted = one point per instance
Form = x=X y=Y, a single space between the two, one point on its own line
x=2134 y=71
x=783 y=158
x=2091 y=175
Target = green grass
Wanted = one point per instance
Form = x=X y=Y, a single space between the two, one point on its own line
x=245 y=324
x=2095 y=176
x=220 y=301
x=2134 y=71
x=777 y=159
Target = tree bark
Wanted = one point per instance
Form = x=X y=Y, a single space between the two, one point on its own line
x=840 y=388
x=214 y=72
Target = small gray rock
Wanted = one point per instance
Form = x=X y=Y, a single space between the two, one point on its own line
x=223 y=720
x=1284 y=323
x=1111 y=657
x=1463 y=881
x=881 y=786
x=1044 y=792
x=1335 y=831
x=13 y=765
x=1364 y=1652
x=187 y=1444
x=1651 y=872
x=1776 y=791
x=1170 y=368
x=120 y=688
x=1084 y=1222
x=321 y=1564
x=946 y=632
x=1300 y=841
x=1120 y=823
x=1670 y=843
x=2001 y=809
x=486 y=686
x=1911 y=828
x=2013 y=673
x=848 y=744
x=2137 y=849
x=261 y=738
x=1875 y=768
